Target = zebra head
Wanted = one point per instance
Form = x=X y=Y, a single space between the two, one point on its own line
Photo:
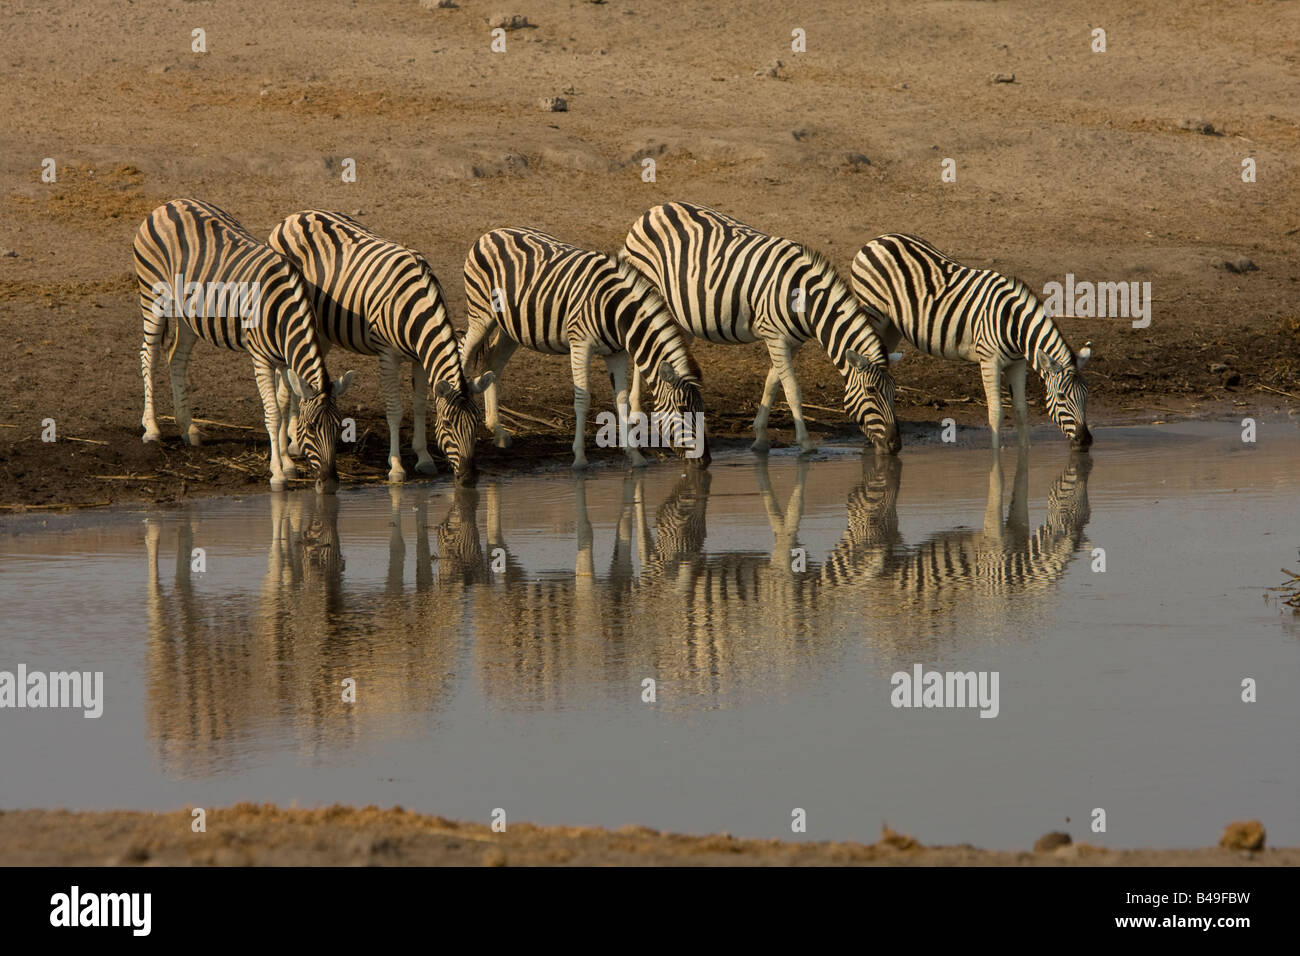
x=679 y=398
x=458 y=421
x=320 y=424
x=1067 y=395
x=869 y=401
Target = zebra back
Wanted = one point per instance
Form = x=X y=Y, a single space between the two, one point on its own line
x=200 y=243
x=372 y=294
x=728 y=282
x=950 y=310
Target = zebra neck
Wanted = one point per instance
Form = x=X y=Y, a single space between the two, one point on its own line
x=438 y=353
x=840 y=336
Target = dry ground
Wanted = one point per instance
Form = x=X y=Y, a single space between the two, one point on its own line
x=253 y=835
x=1090 y=163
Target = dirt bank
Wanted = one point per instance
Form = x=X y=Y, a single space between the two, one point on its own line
x=265 y=835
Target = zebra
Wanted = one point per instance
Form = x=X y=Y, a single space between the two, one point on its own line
x=913 y=291
x=729 y=283
x=524 y=287
x=192 y=262
x=376 y=297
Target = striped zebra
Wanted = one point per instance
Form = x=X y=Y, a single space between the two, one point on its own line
x=523 y=287
x=955 y=312
x=197 y=265
x=376 y=297
x=729 y=283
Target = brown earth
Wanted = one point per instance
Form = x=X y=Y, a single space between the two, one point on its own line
x=1116 y=166
x=266 y=835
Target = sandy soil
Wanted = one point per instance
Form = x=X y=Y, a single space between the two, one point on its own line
x=265 y=835
x=1091 y=163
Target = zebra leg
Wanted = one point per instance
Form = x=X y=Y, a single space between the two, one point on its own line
x=265 y=374
x=783 y=361
x=180 y=360
x=1016 y=379
x=761 y=444
x=585 y=566
x=284 y=396
x=154 y=331
x=497 y=359
x=991 y=373
x=389 y=385
x=580 y=359
x=617 y=365
x=419 y=413
x=634 y=403
x=289 y=408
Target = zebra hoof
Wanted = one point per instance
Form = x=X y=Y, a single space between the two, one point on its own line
x=290 y=469
x=152 y=435
x=396 y=476
x=427 y=467
x=579 y=464
x=278 y=484
x=805 y=451
x=194 y=439
x=761 y=447
x=504 y=440
x=294 y=450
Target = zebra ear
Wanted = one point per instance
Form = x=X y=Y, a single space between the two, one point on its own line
x=341 y=384
x=1081 y=359
x=668 y=374
x=481 y=383
x=443 y=388
x=1046 y=364
x=302 y=389
x=857 y=360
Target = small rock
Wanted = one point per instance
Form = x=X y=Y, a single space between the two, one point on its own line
x=1243 y=835
x=553 y=104
x=899 y=841
x=1200 y=125
x=438 y=4
x=799 y=135
x=1004 y=78
x=1217 y=368
x=509 y=22
x=856 y=159
x=1241 y=266
x=775 y=70
x=9 y=254
x=1067 y=851
x=1050 y=841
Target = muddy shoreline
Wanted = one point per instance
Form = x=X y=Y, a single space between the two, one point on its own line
x=267 y=835
x=81 y=474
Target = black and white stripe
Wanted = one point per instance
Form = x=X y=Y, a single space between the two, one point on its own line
x=186 y=241
x=951 y=311
x=376 y=297
x=729 y=283
x=524 y=287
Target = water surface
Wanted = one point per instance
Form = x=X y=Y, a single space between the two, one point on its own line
x=500 y=640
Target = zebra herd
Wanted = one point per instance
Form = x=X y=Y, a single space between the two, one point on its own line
x=685 y=271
